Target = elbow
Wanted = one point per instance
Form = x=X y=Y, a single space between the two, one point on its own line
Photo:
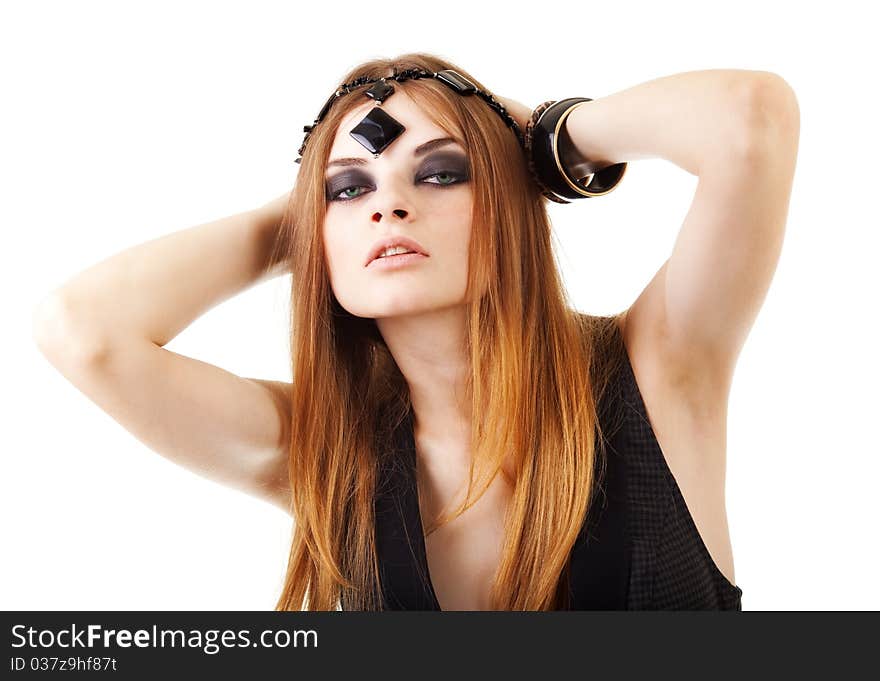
x=45 y=317
x=59 y=337
x=769 y=110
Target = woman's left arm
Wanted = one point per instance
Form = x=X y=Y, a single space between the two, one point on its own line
x=738 y=132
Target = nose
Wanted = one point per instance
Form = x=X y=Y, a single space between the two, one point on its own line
x=391 y=199
x=399 y=212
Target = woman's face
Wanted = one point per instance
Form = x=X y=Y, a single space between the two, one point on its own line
x=412 y=190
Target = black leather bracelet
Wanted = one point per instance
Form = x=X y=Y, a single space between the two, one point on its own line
x=561 y=172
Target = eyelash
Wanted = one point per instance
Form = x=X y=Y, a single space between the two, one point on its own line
x=458 y=180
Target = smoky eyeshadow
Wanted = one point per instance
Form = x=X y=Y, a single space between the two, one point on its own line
x=445 y=162
x=348 y=178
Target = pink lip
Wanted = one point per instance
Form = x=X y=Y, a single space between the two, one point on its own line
x=388 y=242
x=394 y=262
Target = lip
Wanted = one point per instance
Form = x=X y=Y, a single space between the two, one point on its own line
x=388 y=242
x=393 y=262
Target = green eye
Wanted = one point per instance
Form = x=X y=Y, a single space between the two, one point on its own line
x=451 y=178
x=445 y=179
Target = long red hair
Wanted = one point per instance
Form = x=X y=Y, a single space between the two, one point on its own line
x=534 y=384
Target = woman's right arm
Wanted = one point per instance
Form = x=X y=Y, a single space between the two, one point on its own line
x=105 y=329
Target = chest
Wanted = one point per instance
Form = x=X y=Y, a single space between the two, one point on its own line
x=463 y=555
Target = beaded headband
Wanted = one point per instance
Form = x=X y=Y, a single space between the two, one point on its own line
x=556 y=166
x=378 y=129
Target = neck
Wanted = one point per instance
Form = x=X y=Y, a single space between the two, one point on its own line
x=430 y=351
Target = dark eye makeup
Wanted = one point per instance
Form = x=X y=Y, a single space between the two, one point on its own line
x=453 y=166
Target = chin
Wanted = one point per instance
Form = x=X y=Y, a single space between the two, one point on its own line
x=384 y=302
x=400 y=310
x=393 y=309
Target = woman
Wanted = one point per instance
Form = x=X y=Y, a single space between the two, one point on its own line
x=456 y=436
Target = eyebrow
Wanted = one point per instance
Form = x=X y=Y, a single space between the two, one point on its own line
x=420 y=150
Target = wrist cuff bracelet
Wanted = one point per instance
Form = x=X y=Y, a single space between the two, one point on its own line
x=561 y=172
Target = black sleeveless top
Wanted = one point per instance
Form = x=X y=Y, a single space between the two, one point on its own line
x=639 y=548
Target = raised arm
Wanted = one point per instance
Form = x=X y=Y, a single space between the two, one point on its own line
x=738 y=132
x=105 y=329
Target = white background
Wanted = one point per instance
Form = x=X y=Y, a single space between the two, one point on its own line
x=126 y=121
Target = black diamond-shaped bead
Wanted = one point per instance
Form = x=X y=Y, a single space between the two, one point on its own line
x=380 y=91
x=377 y=130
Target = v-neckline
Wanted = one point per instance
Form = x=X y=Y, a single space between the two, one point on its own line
x=413 y=480
x=601 y=564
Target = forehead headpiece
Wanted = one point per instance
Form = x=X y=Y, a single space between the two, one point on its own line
x=556 y=166
x=378 y=129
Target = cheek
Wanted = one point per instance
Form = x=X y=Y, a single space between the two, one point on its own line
x=460 y=235
x=456 y=218
x=343 y=255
